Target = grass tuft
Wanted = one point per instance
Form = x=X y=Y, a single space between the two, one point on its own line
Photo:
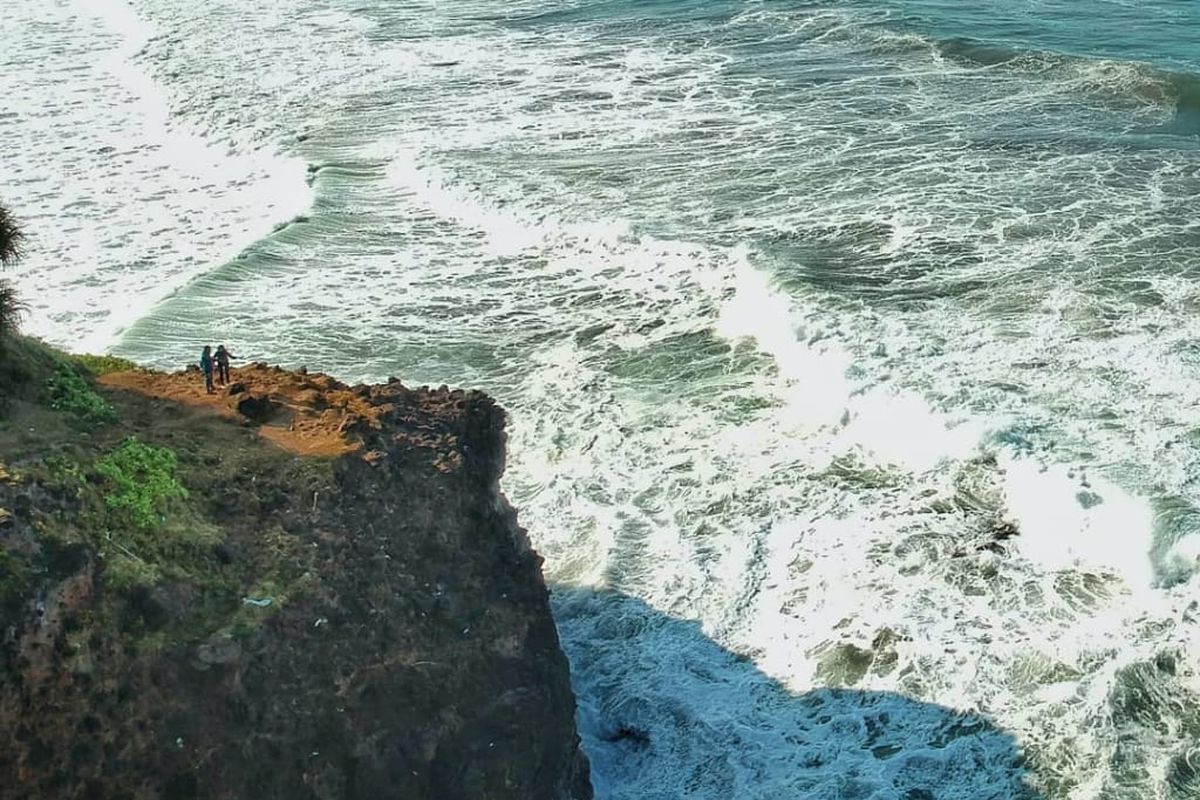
x=104 y=365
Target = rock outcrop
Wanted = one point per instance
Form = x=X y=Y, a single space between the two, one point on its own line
x=364 y=621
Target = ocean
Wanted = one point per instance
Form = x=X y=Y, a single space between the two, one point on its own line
x=851 y=348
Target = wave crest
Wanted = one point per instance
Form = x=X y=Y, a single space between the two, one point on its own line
x=1123 y=82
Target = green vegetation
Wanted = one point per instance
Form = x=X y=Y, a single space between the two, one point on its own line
x=11 y=308
x=104 y=365
x=143 y=481
x=138 y=521
x=129 y=507
x=28 y=366
x=70 y=393
x=11 y=238
x=173 y=505
x=25 y=366
x=11 y=311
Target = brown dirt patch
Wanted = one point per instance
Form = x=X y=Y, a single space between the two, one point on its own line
x=306 y=414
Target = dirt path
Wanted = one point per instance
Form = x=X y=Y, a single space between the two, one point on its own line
x=305 y=414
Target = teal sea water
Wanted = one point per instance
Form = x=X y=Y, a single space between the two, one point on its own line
x=794 y=306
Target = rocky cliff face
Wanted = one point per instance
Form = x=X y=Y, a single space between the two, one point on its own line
x=366 y=622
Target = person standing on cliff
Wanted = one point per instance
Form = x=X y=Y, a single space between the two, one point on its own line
x=223 y=357
x=206 y=365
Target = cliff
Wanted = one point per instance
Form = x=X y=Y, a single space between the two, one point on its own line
x=290 y=589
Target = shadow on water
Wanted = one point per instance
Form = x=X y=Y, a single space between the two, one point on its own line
x=666 y=712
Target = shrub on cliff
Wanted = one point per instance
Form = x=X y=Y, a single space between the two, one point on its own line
x=142 y=481
x=70 y=393
x=11 y=240
x=147 y=532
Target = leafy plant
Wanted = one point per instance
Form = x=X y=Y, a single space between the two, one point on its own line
x=11 y=310
x=71 y=394
x=11 y=240
x=142 y=480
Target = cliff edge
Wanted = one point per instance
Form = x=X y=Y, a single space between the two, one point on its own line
x=292 y=588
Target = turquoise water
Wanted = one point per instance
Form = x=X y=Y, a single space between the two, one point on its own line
x=1162 y=34
x=793 y=305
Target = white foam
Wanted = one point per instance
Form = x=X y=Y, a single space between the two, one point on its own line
x=898 y=428
x=886 y=426
x=1185 y=554
x=1060 y=531
x=116 y=186
x=792 y=492
x=814 y=376
x=506 y=234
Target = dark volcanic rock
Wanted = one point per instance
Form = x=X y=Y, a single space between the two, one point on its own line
x=417 y=658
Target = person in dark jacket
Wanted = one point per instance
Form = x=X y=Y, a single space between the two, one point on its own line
x=223 y=357
x=206 y=364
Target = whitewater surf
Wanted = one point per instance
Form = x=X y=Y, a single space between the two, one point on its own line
x=850 y=348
